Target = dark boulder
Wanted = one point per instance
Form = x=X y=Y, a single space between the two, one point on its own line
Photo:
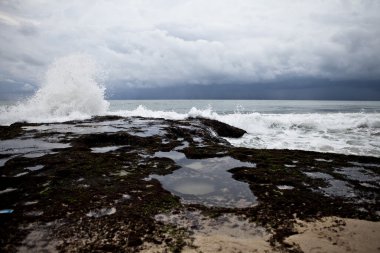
x=223 y=129
x=10 y=132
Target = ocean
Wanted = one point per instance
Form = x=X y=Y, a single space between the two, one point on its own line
x=346 y=127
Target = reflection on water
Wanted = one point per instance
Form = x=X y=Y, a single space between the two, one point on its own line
x=28 y=147
x=336 y=188
x=207 y=181
x=138 y=127
x=105 y=149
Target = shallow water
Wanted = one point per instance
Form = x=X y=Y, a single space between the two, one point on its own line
x=335 y=188
x=29 y=147
x=207 y=181
x=105 y=149
x=138 y=127
x=35 y=168
x=360 y=174
x=4 y=160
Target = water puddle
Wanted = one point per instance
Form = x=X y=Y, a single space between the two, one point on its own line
x=105 y=149
x=149 y=131
x=174 y=155
x=139 y=127
x=38 y=154
x=285 y=187
x=184 y=145
x=4 y=160
x=34 y=168
x=29 y=203
x=34 y=213
x=207 y=181
x=359 y=174
x=21 y=174
x=121 y=173
x=366 y=164
x=126 y=196
x=101 y=212
x=323 y=160
x=84 y=128
x=29 y=147
x=319 y=175
x=102 y=127
x=336 y=188
x=7 y=190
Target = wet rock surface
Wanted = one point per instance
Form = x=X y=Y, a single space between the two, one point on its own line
x=223 y=129
x=87 y=186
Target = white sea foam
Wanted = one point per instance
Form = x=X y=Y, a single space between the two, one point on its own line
x=145 y=112
x=70 y=91
x=346 y=133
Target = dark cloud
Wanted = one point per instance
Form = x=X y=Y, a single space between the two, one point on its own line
x=159 y=43
x=11 y=89
x=300 y=89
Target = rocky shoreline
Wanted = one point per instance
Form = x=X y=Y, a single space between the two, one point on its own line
x=87 y=186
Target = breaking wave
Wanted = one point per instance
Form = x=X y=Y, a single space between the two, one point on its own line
x=71 y=90
x=345 y=133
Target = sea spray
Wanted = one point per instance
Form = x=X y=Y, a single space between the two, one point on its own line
x=346 y=133
x=71 y=90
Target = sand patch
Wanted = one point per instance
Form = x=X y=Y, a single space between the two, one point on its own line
x=224 y=240
x=227 y=233
x=40 y=238
x=336 y=235
x=230 y=233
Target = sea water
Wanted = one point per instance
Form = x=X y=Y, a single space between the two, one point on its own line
x=72 y=90
x=347 y=127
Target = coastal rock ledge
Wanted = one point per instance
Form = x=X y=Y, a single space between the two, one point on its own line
x=115 y=184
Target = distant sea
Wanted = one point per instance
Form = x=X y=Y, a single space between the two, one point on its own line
x=249 y=106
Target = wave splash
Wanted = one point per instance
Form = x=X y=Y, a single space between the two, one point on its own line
x=345 y=133
x=71 y=90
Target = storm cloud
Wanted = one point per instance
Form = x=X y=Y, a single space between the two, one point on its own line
x=157 y=43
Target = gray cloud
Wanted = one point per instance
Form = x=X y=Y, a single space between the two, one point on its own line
x=166 y=42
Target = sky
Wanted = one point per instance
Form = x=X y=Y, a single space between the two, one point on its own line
x=199 y=49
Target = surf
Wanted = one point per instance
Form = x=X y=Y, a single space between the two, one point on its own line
x=71 y=89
